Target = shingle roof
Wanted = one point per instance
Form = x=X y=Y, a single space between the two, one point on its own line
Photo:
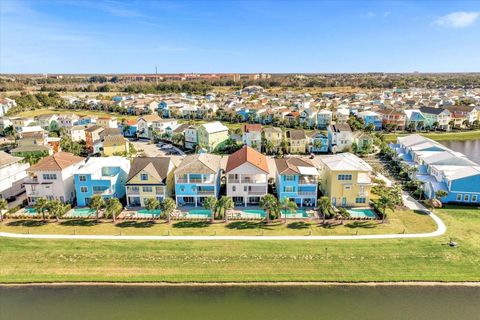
x=150 y=117
x=340 y=127
x=6 y=159
x=247 y=155
x=291 y=165
x=296 y=134
x=430 y=110
x=112 y=140
x=57 y=161
x=203 y=163
x=252 y=127
x=155 y=166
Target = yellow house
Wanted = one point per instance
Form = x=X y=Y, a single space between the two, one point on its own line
x=345 y=179
x=275 y=135
x=149 y=178
x=115 y=145
x=210 y=135
x=297 y=141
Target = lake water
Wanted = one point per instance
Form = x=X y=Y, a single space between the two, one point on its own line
x=252 y=303
x=470 y=148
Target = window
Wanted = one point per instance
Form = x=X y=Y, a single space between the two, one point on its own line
x=345 y=177
x=459 y=197
x=466 y=197
x=182 y=189
x=360 y=200
x=474 y=198
x=234 y=188
x=159 y=189
x=289 y=189
x=289 y=178
x=147 y=189
x=49 y=176
x=82 y=178
x=245 y=188
x=144 y=177
x=83 y=189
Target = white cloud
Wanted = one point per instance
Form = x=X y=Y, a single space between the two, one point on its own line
x=460 y=19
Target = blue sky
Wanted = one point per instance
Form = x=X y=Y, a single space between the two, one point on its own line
x=256 y=36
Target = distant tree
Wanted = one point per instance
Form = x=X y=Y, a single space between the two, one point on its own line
x=210 y=204
x=325 y=207
x=41 y=206
x=287 y=206
x=268 y=203
x=151 y=204
x=167 y=206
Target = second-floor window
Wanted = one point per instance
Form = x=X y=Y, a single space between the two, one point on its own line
x=289 y=178
x=144 y=177
x=344 y=177
x=83 y=189
x=82 y=178
x=147 y=189
x=49 y=176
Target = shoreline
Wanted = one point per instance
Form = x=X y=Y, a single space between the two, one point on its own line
x=247 y=284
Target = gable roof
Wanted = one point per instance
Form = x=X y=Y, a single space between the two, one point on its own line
x=155 y=166
x=213 y=127
x=7 y=159
x=150 y=118
x=202 y=163
x=296 y=134
x=252 y=127
x=292 y=166
x=112 y=140
x=339 y=127
x=56 y=162
x=247 y=155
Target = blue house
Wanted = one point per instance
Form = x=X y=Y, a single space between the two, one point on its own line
x=105 y=176
x=297 y=180
x=197 y=178
x=128 y=128
x=318 y=143
x=370 y=117
x=163 y=109
x=439 y=168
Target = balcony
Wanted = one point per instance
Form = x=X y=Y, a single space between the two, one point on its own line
x=206 y=192
x=256 y=192
x=247 y=181
x=307 y=193
x=103 y=192
x=307 y=180
x=133 y=192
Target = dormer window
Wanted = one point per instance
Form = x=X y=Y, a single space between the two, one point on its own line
x=144 y=177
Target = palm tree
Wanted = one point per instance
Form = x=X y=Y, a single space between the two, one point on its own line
x=113 y=208
x=225 y=203
x=286 y=205
x=57 y=209
x=167 y=206
x=269 y=147
x=96 y=204
x=343 y=213
x=268 y=203
x=324 y=206
x=152 y=204
x=3 y=206
x=385 y=202
x=210 y=203
x=41 y=205
x=440 y=194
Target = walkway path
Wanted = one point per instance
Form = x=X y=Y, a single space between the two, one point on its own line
x=441 y=228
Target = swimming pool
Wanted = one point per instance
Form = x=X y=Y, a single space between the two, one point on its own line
x=198 y=214
x=253 y=213
x=30 y=211
x=362 y=213
x=144 y=213
x=82 y=212
x=295 y=214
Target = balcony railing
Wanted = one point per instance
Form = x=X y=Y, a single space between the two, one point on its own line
x=257 y=192
x=105 y=191
x=208 y=192
x=307 y=193
x=247 y=181
x=307 y=181
x=130 y=191
x=181 y=180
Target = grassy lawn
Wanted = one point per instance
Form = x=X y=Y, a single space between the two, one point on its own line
x=399 y=221
x=430 y=259
x=440 y=136
x=33 y=113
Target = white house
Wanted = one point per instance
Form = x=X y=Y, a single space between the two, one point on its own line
x=153 y=123
x=252 y=135
x=339 y=137
x=247 y=176
x=191 y=137
x=12 y=175
x=5 y=105
x=52 y=178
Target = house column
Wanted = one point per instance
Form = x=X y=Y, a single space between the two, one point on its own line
x=245 y=201
x=196 y=201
